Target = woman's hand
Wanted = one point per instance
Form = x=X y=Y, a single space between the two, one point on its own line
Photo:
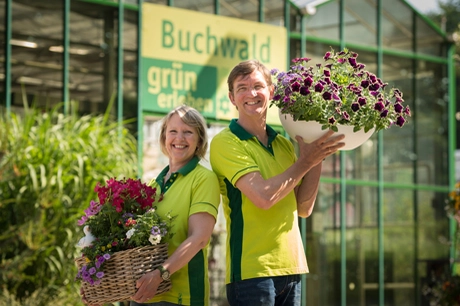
x=147 y=286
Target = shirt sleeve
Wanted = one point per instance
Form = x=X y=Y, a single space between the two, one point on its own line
x=230 y=159
x=205 y=194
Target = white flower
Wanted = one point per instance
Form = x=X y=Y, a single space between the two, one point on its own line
x=130 y=233
x=155 y=239
x=87 y=240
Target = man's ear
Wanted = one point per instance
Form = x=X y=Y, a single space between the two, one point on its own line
x=230 y=96
x=272 y=91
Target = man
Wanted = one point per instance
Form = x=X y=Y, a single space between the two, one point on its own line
x=265 y=187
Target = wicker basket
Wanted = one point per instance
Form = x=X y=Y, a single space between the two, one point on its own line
x=122 y=271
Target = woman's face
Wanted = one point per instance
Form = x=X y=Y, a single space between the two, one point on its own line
x=181 y=142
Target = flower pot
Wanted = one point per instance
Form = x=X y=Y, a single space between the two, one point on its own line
x=311 y=130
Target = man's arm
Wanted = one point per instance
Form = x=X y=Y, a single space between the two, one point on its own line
x=265 y=193
x=307 y=191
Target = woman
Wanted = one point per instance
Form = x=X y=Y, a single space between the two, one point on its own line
x=191 y=193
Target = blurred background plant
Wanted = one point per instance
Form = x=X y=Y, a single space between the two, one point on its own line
x=49 y=166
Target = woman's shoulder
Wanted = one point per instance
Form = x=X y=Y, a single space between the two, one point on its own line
x=204 y=171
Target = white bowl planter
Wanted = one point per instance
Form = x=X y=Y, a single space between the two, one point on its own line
x=311 y=130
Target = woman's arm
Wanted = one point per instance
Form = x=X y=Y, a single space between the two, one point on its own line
x=200 y=229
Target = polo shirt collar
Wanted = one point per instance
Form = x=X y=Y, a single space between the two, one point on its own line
x=184 y=170
x=242 y=134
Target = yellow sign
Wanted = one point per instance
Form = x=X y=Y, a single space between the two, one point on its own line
x=187 y=56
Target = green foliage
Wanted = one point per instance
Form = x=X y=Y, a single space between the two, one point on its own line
x=153 y=228
x=49 y=166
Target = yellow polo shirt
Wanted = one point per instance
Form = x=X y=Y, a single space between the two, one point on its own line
x=260 y=242
x=193 y=189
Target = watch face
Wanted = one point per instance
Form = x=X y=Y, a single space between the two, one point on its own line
x=165 y=275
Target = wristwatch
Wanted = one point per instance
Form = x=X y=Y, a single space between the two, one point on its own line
x=164 y=273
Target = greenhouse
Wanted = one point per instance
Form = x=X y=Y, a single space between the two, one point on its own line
x=374 y=235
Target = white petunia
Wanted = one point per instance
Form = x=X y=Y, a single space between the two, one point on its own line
x=155 y=239
x=130 y=233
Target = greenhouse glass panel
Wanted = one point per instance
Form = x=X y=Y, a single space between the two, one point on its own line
x=205 y=6
x=361 y=22
x=93 y=55
x=325 y=22
x=274 y=12
x=397 y=25
x=247 y=10
x=428 y=41
x=398 y=143
x=432 y=224
x=432 y=126
x=130 y=65
x=36 y=65
x=324 y=256
x=399 y=242
x=433 y=249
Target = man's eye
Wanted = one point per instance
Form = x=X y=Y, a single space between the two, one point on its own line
x=241 y=89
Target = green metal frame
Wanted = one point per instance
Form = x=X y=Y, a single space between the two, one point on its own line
x=140 y=116
x=65 y=56
x=380 y=227
x=343 y=184
x=8 y=31
x=120 y=59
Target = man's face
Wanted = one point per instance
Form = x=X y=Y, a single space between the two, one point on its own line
x=251 y=94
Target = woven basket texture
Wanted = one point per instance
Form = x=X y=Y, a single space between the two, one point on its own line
x=122 y=271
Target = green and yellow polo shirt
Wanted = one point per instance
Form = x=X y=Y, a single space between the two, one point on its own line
x=192 y=189
x=260 y=242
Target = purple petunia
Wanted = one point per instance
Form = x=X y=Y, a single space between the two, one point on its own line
x=304 y=91
x=155 y=230
x=355 y=106
x=400 y=121
x=340 y=88
x=295 y=86
x=308 y=81
x=327 y=96
x=398 y=108
x=319 y=87
x=379 y=106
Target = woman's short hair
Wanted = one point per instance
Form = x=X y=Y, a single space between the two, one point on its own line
x=192 y=118
x=245 y=68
